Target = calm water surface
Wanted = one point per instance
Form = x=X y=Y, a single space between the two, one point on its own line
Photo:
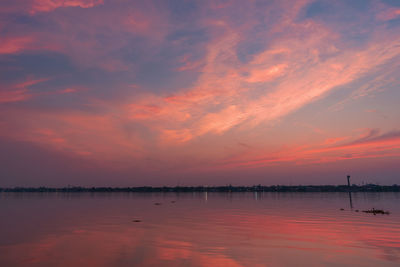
x=214 y=229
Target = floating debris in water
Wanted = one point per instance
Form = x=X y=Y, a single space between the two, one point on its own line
x=357 y=210
x=374 y=211
x=157 y=203
x=173 y=201
x=342 y=209
x=136 y=221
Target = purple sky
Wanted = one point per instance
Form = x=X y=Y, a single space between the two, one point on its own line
x=127 y=93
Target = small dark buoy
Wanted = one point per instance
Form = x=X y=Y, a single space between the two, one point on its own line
x=342 y=209
x=136 y=221
x=157 y=203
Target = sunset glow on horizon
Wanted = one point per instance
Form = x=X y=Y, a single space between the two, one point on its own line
x=130 y=93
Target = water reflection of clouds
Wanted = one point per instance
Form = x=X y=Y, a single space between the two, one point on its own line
x=171 y=246
x=192 y=232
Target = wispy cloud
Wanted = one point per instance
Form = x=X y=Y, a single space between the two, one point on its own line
x=50 y=5
x=371 y=144
x=185 y=83
x=288 y=75
x=18 y=92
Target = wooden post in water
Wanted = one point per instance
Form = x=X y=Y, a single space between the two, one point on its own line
x=348 y=184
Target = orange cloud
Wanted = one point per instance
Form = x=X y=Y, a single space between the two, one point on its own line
x=264 y=75
x=176 y=136
x=50 y=5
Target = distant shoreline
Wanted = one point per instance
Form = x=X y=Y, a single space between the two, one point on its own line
x=229 y=188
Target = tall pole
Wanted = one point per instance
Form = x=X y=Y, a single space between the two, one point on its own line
x=348 y=181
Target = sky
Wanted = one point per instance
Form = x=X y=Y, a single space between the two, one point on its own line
x=179 y=92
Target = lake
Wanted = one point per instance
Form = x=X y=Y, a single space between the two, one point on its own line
x=198 y=229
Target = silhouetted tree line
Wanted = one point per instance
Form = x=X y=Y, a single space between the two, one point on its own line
x=229 y=188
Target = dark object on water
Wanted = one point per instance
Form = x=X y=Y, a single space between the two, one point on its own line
x=357 y=210
x=374 y=211
x=157 y=203
x=173 y=201
x=136 y=221
x=342 y=209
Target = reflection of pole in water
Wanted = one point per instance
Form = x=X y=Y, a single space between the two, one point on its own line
x=206 y=196
x=255 y=195
x=348 y=184
x=351 y=201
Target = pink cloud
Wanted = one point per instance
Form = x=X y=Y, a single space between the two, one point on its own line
x=147 y=22
x=176 y=136
x=188 y=64
x=294 y=65
x=14 y=96
x=372 y=145
x=264 y=75
x=18 y=92
x=302 y=62
x=11 y=45
x=50 y=5
x=68 y=90
x=334 y=140
x=92 y=136
x=388 y=14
